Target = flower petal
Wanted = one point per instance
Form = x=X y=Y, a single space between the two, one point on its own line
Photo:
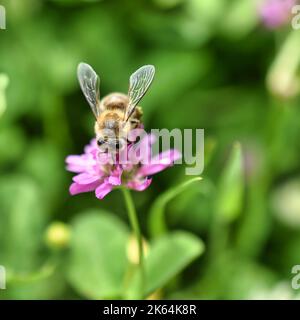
x=160 y=162
x=275 y=13
x=76 y=188
x=115 y=177
x=86 y=178
x=103 y=190
x=90 y=148
x=80 y=163
x=139 y=185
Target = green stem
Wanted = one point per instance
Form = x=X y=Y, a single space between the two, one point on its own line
x=137 y=231
x=46 y=271
x=157 y=220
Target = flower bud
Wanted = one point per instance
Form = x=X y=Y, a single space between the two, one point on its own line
x=286 y=203
x=282 y=78
x=58 y=235
x=133 y=250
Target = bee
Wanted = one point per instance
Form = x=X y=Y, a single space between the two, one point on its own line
x=117 y=113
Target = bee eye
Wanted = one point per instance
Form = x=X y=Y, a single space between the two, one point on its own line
x=100 y=142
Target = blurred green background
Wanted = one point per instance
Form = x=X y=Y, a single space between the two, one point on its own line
x=218 y=68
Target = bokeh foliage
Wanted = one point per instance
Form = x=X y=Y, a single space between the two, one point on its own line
x=219 y=69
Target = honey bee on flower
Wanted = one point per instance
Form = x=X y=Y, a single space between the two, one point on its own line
x=115 y=158
x=116 y=114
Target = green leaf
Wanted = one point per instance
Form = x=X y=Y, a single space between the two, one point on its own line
x=12 y=144
x=168 y=256
x=193 y=210
x=23 y=220
x=157 y=223
x=98 y=259
x=33 y=163
x=240 y=19
x=231 y=187
x=190 y=68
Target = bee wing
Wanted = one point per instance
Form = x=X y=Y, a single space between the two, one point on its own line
x=89 y=83
x=139 y=83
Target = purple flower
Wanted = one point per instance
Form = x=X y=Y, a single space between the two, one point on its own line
x=132 y=167
x=275 y=13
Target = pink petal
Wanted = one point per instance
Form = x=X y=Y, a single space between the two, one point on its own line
x=160 y=162
x=76 y=188
x=91 y=147
x=80 y=163
x=275 y=13
x=139 y=185
x=103 y=190
x=148 y=170
x=86 y=178
x=115 y=177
